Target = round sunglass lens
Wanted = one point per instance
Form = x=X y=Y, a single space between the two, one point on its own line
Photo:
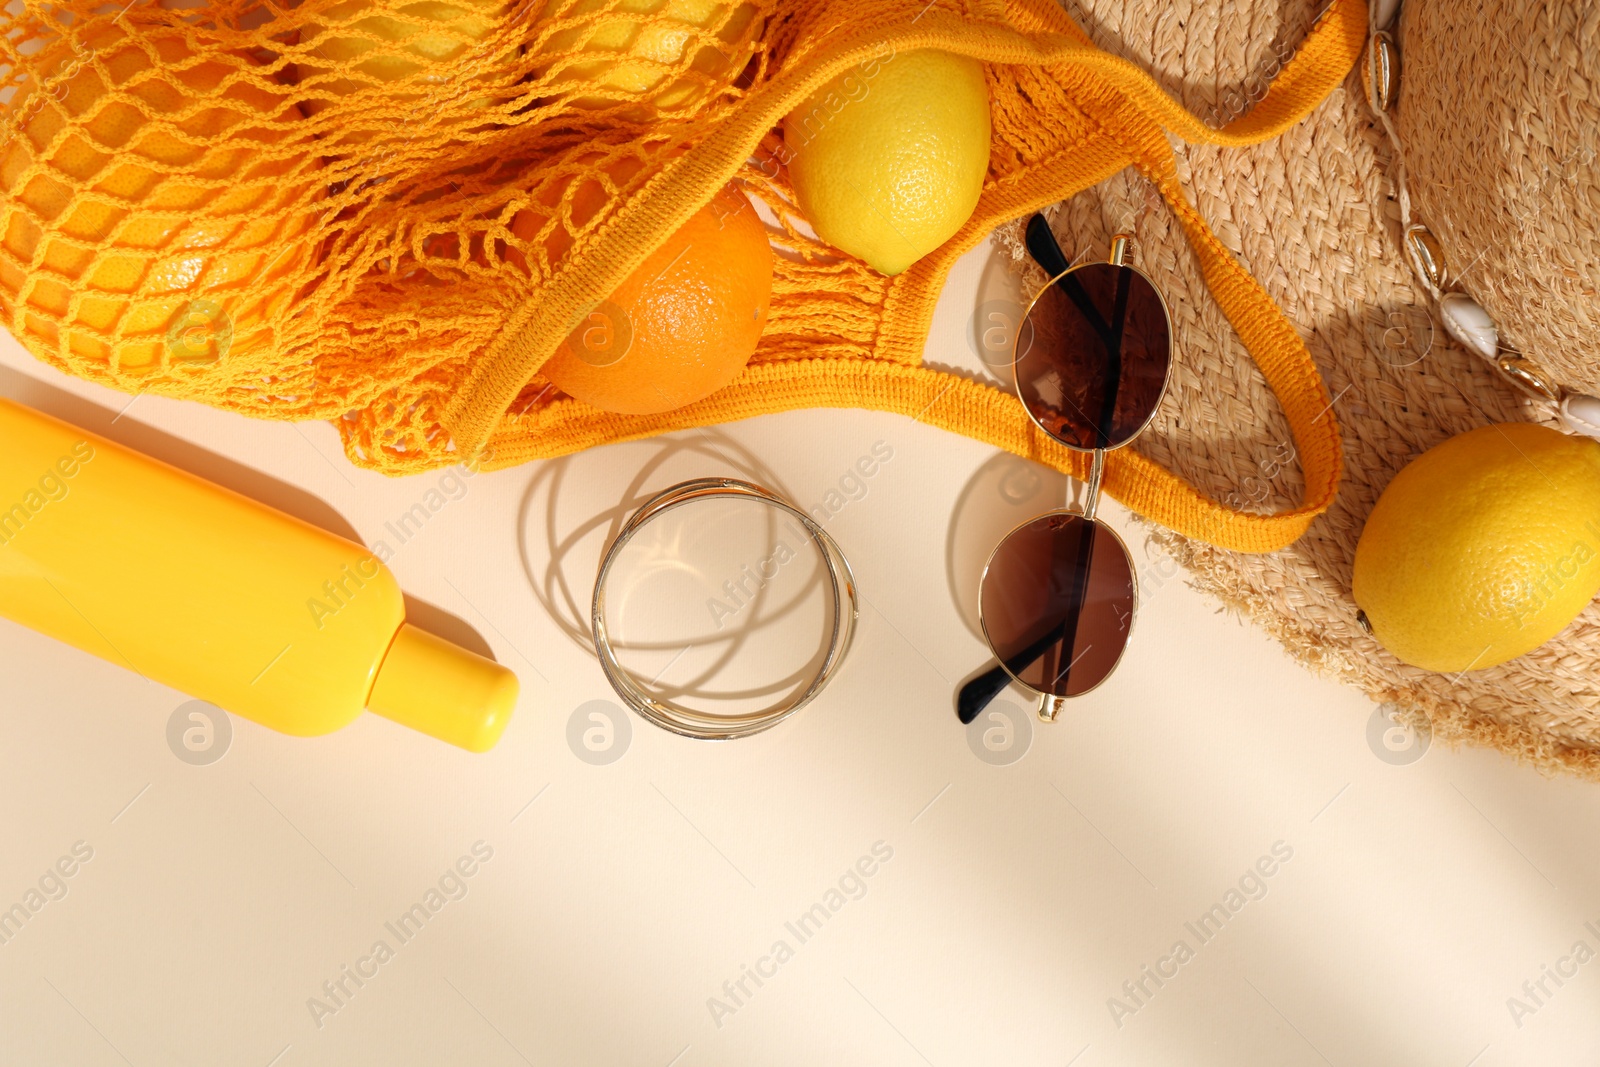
x=1096 y=363
x=1057 y=603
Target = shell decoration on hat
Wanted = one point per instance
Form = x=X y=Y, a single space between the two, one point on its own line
x=1462 y=317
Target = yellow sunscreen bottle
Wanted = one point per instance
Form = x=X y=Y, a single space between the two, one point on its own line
x=201 y=589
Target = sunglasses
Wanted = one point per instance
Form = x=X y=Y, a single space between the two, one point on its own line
x=1090 y=364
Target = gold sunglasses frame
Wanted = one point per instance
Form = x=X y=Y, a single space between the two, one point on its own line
x=1049 y=706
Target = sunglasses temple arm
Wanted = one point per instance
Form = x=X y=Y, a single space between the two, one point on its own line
x=978 y=693
x=1047 y=253
x=1043 y=248
x=1108 y=409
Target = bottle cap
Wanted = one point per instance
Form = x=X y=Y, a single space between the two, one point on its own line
x=443 y=690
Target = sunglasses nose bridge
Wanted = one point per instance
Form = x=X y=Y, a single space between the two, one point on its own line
x=1091 y=493
x=1050 y=707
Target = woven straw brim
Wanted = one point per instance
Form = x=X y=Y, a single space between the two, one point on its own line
x=1499 y=113
x=1310 y=214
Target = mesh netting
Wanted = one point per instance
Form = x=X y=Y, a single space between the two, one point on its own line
x=389 y=213
x=305 y=212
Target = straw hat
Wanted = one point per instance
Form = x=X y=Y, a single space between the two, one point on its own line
x=1498 y=113
x=1502 y=142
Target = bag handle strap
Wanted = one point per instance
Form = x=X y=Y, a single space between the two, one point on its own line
x=1321 y=62
x=1138 y=123
x=1319 y=65
x=1133 y=127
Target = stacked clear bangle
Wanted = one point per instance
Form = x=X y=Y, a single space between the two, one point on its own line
x=687 y=721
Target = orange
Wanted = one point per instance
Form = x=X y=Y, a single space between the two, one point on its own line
x=136 y=246
x=568 y=204
x=682 y=325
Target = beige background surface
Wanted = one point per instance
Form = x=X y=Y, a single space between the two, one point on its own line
x=1418 y=898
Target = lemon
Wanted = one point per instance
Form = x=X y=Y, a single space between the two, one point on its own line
x=637 y=48
x=354 y=50
x=1483 y=547
x=888 y=158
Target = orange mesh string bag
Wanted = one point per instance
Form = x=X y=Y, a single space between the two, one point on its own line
x=319 y=219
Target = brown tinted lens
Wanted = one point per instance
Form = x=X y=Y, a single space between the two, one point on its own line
x=1096 y=361
x=1057 y=602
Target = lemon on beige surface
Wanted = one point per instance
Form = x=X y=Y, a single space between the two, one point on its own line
x=1482 y=548
x=143 y=216
x=663 y=54
x=888 y=158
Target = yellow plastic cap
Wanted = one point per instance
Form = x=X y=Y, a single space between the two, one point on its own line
x=443 y=690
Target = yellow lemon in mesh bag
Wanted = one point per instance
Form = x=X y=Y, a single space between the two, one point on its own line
x=156 y=229
x=665 y=55
x=1483 y=547
x=355 y=44
x=888 y=158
